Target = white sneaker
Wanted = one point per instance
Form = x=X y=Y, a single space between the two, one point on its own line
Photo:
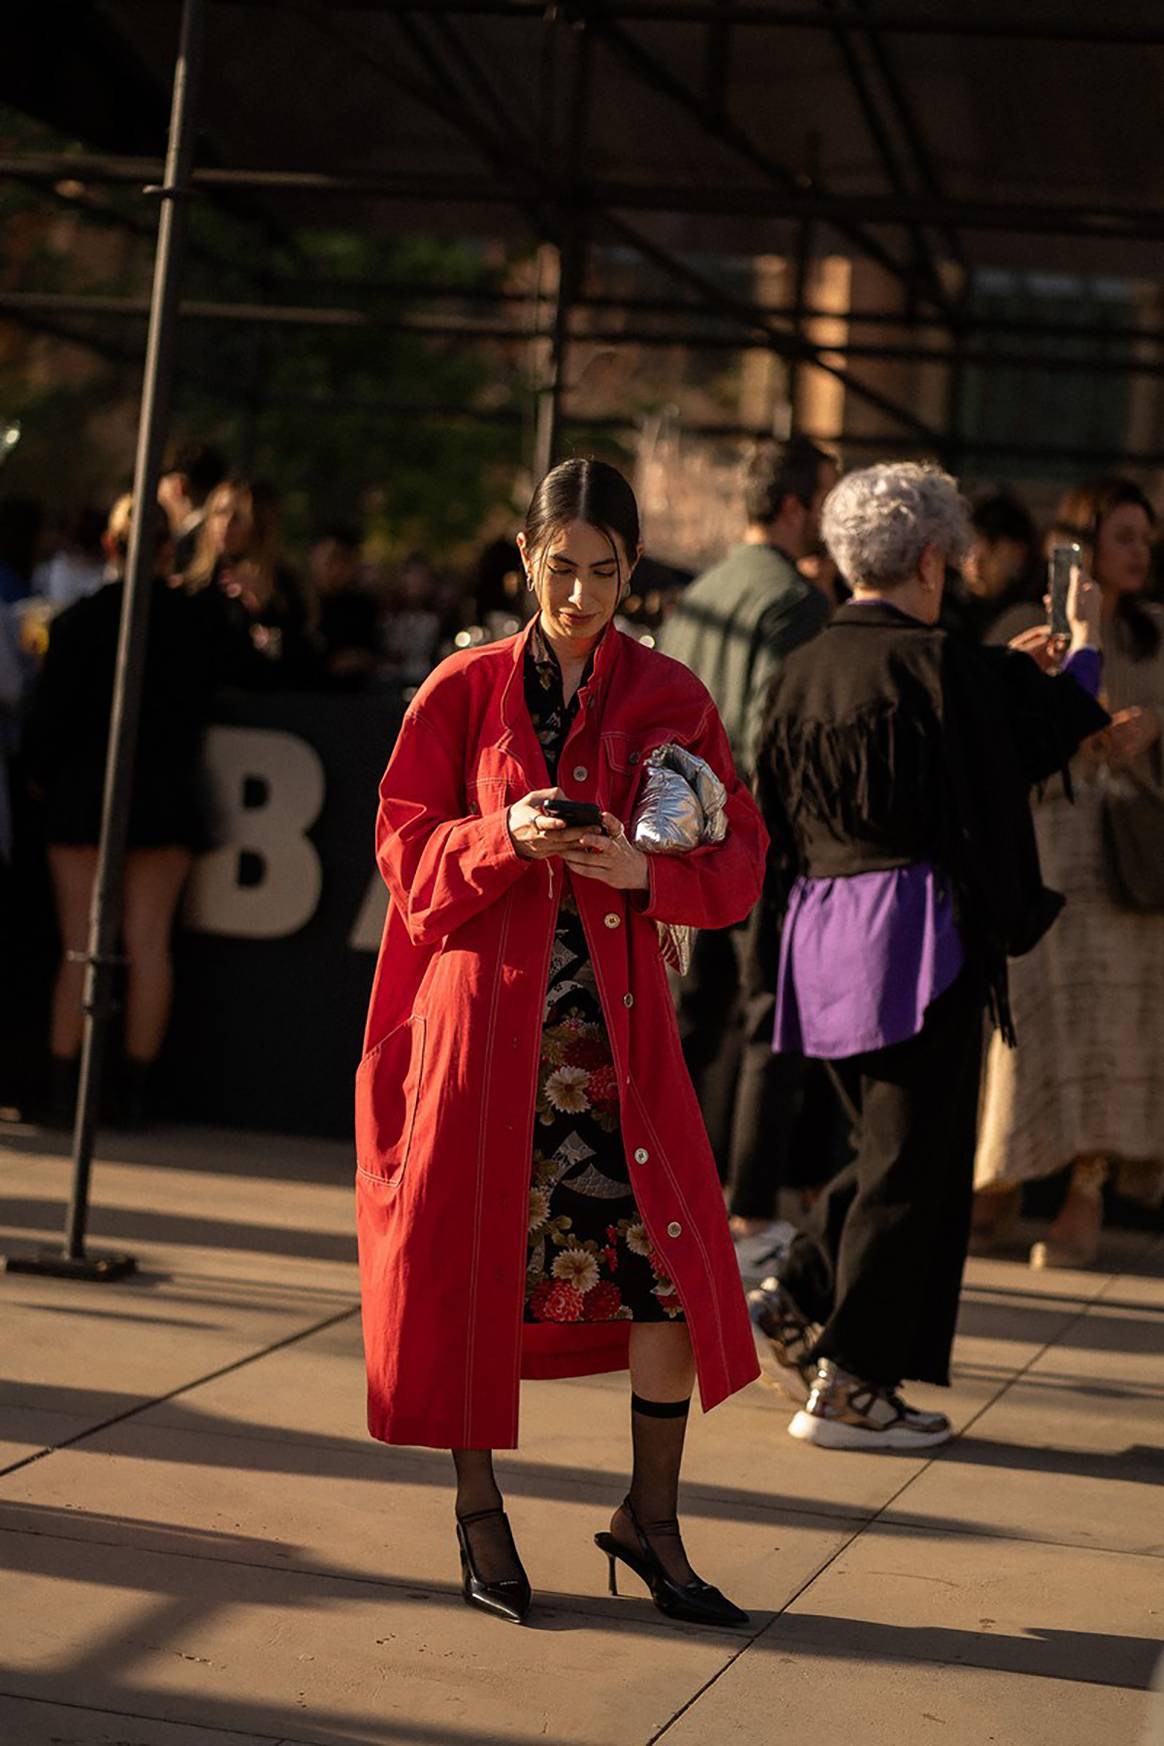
x=842 y=1412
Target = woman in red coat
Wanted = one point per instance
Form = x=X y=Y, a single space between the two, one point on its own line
x=535 y=1191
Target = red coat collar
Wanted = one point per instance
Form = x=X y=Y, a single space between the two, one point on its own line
x=515 y=716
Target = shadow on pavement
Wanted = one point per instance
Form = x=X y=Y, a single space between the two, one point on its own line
x=1091 y=1657
x=1142 y=1463
x=133 y=1225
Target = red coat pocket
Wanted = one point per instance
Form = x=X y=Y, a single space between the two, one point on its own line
x=388 y=1083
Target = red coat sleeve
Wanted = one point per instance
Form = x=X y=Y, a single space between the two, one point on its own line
x=441 y=865
x=715 y=886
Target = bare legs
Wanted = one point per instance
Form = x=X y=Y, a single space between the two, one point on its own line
x=153 y=885
x=662 y=1366
x=1073 y=1239
x=996 y=1208
x=73 y=872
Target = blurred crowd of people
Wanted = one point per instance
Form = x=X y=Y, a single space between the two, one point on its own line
x=340 y=621
x=966 y=809
x=1081 y=1098
x=228 y=610
x=1082 y=1094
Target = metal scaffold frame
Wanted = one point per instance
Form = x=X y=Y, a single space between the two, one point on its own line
x=914 y=233
x=576 y=213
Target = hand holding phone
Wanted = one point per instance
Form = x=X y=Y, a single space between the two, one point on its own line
x=538 y=828
x=578 y=814
x=1063 y=565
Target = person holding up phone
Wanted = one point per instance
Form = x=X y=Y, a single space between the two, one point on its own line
x=894 y=776
x=1084 y=1091
x=536 y=1194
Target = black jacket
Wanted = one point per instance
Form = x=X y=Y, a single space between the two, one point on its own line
x=67 y=731
x=890 y=742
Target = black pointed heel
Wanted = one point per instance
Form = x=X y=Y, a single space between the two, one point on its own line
x=509 y=1599
x=696 y=1601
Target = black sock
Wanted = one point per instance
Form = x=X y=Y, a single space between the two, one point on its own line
x=658 y=1429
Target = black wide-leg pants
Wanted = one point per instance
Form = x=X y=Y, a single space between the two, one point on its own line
x=880 y=1260
x=774 y=1121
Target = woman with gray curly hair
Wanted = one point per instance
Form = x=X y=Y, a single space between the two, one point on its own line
x=895 y=776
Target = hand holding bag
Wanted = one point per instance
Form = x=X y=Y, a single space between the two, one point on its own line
x=682 y=806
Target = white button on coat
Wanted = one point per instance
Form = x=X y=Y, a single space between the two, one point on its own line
x=612 y=920
x=674 y=1229
x=580 y=772
x=628 y=1000
x=642 y=1155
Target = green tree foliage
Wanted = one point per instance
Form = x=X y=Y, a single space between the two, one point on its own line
x=361 y=421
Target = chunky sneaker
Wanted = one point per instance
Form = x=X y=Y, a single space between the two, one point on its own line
x=789 y=1335
x=842 y=1412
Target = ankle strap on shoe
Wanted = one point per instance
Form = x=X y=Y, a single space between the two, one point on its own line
x=478 y=1516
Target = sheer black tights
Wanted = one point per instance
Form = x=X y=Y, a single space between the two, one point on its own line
x=489 y=1540
x=658 y=1429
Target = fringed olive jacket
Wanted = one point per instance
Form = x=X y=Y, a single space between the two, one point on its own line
x=890 y=742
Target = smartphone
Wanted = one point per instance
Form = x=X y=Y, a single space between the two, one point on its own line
x=1062 y=564
x=573 y=812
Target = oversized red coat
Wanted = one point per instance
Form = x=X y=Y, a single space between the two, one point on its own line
x=446 y=1087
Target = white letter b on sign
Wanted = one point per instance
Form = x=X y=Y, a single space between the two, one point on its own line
x=269 y=789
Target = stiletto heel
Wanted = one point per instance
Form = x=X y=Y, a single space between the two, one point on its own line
x=508 y=1599
x=613 y=1578
x=696 y=1600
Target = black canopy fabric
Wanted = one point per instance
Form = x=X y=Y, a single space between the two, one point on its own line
x=995 y=166
x=911 y=129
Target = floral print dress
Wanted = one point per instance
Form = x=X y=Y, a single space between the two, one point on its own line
x=590 y=1258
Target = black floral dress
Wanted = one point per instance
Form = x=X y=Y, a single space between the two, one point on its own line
x=590 y=1258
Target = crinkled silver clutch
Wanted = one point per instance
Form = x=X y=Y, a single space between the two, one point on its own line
x=683 y=804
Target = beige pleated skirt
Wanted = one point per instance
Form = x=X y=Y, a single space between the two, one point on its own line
x=1088 y=1073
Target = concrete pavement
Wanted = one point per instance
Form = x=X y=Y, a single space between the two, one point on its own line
x=199 y=1546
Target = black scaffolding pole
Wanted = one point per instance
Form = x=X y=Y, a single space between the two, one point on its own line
x=105 y=915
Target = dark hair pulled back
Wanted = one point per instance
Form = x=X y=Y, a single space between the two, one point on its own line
x=583 y=489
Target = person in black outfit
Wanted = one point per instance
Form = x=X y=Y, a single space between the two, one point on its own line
x=347 y=622
x=252 y=607
x=66 y=741
x=894 y=777
x=1001 y=568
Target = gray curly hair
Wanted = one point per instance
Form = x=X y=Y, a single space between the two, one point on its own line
x=877 y=521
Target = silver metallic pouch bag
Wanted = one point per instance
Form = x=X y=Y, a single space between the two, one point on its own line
x=682 y=805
